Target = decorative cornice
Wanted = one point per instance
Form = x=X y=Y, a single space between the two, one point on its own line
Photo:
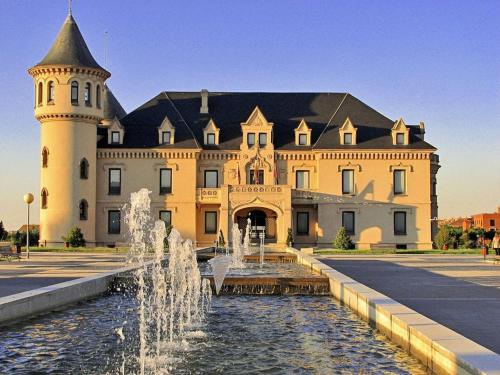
x=65 y=69
x=45 y=117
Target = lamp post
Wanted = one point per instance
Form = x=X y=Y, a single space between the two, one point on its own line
x=28 y=199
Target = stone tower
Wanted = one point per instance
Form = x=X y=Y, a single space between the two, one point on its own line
x=69 y=90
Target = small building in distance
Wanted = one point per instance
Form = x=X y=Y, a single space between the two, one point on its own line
x=487 y=221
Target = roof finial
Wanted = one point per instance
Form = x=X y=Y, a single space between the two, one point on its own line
x=70 y=7
x=105 y=48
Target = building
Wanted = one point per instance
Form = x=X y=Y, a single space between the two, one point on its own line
x=309 y=161
x=487 y=221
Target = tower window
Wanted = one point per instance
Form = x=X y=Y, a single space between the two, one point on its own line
x=114 y=218
x=88 y=94
x=84 y=169
x=50 y=92
x=45 y=195
x=98 y=96
x=250 y=139
x=115 y=181
x=74 y=92
x=84 y=207
x=40 y=93
x=347 y=181
x=45 y=157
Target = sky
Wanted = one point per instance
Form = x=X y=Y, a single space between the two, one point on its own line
x=431 y=61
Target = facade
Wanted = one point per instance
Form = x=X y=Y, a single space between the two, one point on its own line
x=487 y=221
x=312 y=162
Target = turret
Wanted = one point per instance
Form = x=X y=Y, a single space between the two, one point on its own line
x=69 y=91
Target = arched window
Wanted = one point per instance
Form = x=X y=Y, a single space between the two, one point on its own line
x=40 y=93
x=88 y=94
x=98 y=96
x=74 y=92
x=45 y=195
x=84 y=169
x=84 y=208
x=45 y=157
x=50 y=92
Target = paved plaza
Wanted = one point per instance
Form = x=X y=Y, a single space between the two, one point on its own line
x=460 y=292
x=44 y=269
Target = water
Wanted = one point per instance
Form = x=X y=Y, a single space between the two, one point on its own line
x=242 y=335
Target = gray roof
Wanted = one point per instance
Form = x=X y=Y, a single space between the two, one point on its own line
x=111 y=107
x=70 y=48
x=323 y=112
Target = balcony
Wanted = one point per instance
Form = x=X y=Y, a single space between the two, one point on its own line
x=208 y=195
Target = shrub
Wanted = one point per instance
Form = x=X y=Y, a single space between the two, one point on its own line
x=19 y=238
x=75 y=237
x=342 y=240
x=222 y=241
x=289 y=237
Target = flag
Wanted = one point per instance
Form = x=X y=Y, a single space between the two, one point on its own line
x=276 y=173
x=238 y=174
x=255 y=174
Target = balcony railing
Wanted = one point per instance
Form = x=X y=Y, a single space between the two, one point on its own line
x=208 y=195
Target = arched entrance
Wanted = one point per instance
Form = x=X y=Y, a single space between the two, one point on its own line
x=261 y=220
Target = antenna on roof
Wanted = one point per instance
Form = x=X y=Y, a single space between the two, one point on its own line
x=105 y=48
x=70 y=7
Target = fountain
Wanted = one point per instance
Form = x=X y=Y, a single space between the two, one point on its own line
x=246 y=239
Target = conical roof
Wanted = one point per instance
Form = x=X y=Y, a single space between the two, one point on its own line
x=111 y=107
x=70 y=48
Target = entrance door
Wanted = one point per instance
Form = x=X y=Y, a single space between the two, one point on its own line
x=257 y=223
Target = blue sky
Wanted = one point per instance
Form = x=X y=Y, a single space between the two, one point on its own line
x=431 y=61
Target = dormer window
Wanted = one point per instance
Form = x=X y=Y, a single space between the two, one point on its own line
x=250 y=139
x=165 y=138
x=115 y=137
x=210 y=139
x=400 y=133
x=211 y=134
x=347 y=133
x=302 y=134
x=262 y=139
x=400 y=139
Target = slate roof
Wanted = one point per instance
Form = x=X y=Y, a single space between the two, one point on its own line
x=110 y=105
x=70 y=48
x=323 y=112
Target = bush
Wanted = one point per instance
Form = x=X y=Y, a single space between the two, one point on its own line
x=289 y=237
x=444 y=237
x=75 y=237
x=342 y=240
x=19 y=238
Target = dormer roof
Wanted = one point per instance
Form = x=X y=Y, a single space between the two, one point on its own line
x=70 y=49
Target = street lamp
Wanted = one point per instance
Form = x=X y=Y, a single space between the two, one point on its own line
x=28 y=199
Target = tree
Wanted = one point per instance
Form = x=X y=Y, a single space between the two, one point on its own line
x=444 y=237
x=75 y=237
x=3 y=232
x=342 y=240
x=222 y=241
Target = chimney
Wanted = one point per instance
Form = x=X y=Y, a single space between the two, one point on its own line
x=204 y=101
x=421 y=128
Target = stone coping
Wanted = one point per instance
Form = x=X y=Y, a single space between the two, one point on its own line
x=19 y=306
x=441 y=349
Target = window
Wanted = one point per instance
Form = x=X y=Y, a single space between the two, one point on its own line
x=251 y=139
x=50 y=92
x=399 y=181
x=211 y=179
x=303 y=223
x=255 y=177
x=84 y=206
x=399 y=223
x=347 y=181
x=165 y=181
x=40 y=93
x=87 y=94
x=210 y=222
x=492 y=222
x=302 y=139
x=166 y=216
x=400 y=138
x=348 y=138
x=262 y=139
x=302 y=179
x=115 y=137
x=45 y=157
x=84 y=169
x=165 y=138
x=114 y=218
x=98 y=96
x=348 y=221
x=45 y=195
x=115 y=181
x=74 y=92
x=210 y=138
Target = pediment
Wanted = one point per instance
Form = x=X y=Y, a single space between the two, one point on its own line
x=115 y=124
x=211 y=126
x=302 y=126
x=348 y=125
x=166 y=124
x=257 y=119
x=399 y=125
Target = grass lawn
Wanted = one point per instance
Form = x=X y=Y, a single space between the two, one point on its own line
x=397 y=251
x=109 y=250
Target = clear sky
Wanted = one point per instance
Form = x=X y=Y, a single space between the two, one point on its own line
x=431 y=61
